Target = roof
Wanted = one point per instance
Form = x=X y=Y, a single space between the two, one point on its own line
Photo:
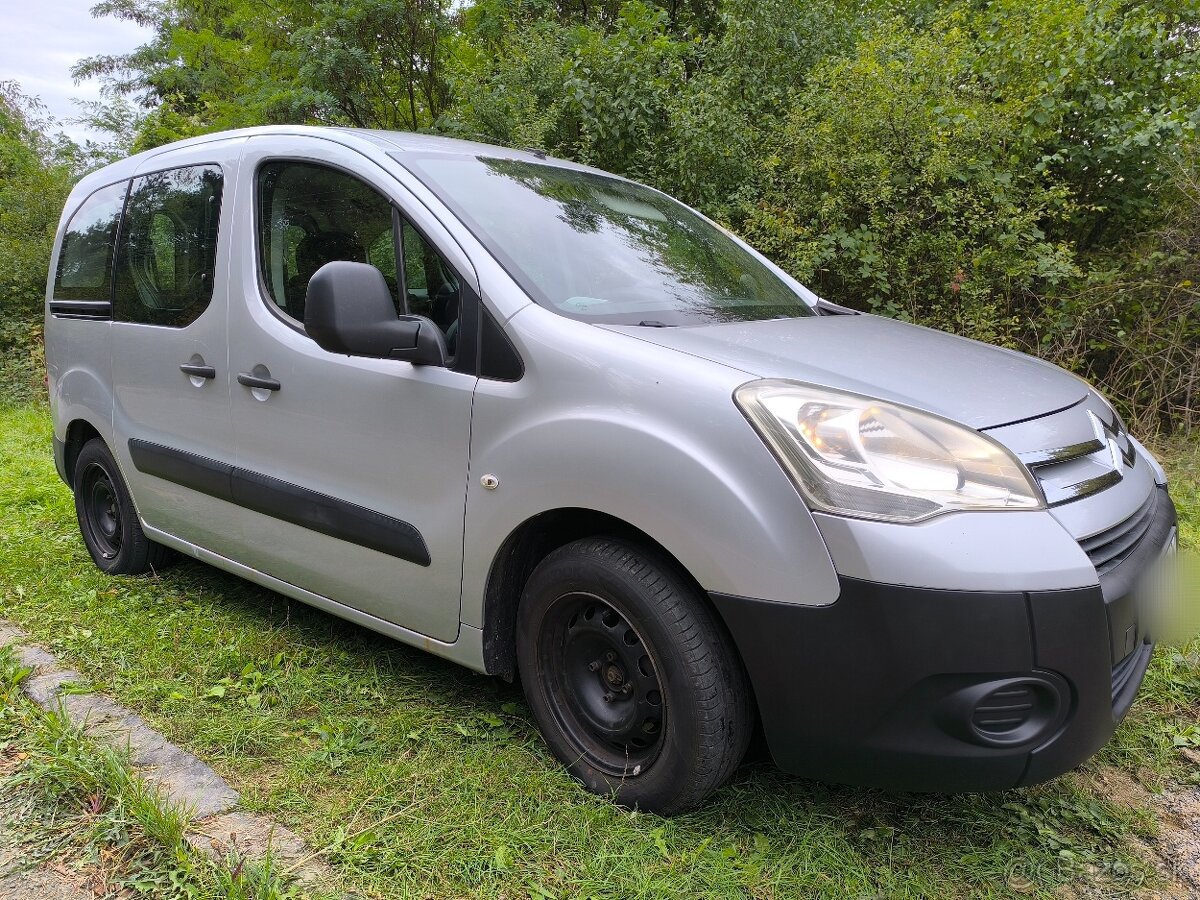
x=388 y=141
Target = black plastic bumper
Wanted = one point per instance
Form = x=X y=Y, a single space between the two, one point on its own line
x=926 y=690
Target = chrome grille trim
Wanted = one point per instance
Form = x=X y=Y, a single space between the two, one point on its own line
x=1034 y=458
x=1092 y=479
x=1058 y=495
x=1074 y=453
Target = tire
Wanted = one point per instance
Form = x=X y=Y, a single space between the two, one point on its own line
x=108 y=520
x=632 y=679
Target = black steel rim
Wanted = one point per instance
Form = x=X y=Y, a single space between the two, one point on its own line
x=101 y=510
x=602 y=684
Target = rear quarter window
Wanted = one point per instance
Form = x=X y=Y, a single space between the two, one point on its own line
x=85 y=262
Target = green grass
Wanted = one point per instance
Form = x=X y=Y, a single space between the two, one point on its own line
x=417 y=778
x=77 y=805
x=1183 y=462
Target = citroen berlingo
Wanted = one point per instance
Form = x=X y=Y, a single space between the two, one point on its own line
x=552 y=424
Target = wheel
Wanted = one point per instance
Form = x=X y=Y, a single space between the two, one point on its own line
x=633 y=681
x=107 y=519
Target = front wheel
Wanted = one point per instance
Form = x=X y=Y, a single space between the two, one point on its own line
x=632 y=679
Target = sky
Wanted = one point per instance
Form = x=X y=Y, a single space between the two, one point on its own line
x=41 y=39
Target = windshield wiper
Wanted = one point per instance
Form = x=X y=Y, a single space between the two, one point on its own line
x=654 y=323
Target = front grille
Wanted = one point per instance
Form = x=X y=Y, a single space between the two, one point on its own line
x=1110 y=548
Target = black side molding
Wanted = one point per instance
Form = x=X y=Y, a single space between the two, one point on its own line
x=282 y=500
x=81 y=309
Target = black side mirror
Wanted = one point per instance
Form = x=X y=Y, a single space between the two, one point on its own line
x=349 y=309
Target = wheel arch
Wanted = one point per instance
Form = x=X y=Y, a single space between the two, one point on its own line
x=526 y=546
x=78 y=433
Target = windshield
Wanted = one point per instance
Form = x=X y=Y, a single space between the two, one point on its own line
x=602 y=249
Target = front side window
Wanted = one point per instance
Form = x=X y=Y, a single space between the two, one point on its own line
x=166 y=264
x=602 y=249
x=86 y=258
x=431 y=288
x=309 y=215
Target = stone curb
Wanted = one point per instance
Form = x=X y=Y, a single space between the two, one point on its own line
x=217 y=826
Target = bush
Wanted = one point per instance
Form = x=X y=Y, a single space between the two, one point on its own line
x=1134 y=326
x=890 y=187
x=36 y=174
x=1013 y=170
x=1011 y=173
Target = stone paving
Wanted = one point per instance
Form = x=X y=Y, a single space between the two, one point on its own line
x=182 y=779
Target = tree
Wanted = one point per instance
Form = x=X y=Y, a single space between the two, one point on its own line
x=37 y=170
x=892 y=187
x=36 y=173
x=1000 y=168
x=217 y=64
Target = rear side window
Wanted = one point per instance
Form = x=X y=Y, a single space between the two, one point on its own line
x=168 y=246
x=85 y=261
x=309 y=215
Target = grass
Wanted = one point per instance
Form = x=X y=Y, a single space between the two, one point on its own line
x=73 y=805
x=416 y=778
x=1183 y=461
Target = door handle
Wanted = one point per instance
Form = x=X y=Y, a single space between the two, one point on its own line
x=257 y=381
x=198 y=371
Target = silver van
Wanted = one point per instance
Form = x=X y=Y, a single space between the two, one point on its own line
x=549 y=423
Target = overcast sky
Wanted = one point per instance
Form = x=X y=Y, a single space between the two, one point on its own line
x=41 y=39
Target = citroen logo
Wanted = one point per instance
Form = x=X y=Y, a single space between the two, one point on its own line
x=1112 y=435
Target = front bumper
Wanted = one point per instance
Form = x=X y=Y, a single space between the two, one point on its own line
x=933 y=690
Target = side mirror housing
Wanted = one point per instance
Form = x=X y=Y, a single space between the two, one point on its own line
x=348 y=309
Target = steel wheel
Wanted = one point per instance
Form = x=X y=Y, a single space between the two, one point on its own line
x=603 y=685
x=101 y=511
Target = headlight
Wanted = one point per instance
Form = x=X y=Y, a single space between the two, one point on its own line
x=857 y=456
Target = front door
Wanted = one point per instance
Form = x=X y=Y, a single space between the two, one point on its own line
x=352 y=472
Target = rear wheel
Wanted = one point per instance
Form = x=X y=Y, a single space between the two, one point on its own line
x=107 y=519
x=633 y=681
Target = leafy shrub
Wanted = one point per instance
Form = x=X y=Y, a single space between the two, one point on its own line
x=34 y=181
x=1016 y=170
x=36 y=174
x=890 y=188
x=1134 y=325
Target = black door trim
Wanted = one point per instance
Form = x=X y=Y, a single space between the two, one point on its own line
x=282 y=500
x=81 y=309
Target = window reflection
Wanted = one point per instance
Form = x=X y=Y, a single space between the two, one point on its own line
x=168 y=247
x=602 y=249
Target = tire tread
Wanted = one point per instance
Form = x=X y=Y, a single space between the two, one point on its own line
x=721 y=701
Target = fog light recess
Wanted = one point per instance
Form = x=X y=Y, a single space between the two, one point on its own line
x=1007 y=712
